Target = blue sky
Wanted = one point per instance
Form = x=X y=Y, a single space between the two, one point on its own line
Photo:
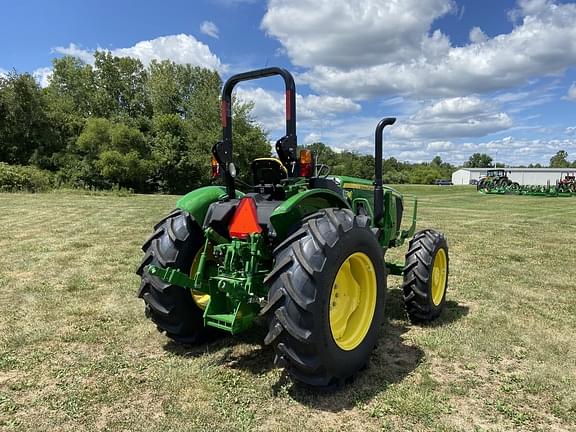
x=461 y=76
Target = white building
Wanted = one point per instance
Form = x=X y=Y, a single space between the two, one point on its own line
x=523 y=176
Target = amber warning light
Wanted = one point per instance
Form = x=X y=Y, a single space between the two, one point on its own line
x=215 y=167
x=306 y=163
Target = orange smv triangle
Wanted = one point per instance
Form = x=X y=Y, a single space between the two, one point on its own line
x=245 y=220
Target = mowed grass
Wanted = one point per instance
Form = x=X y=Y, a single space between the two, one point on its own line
x=77 y=353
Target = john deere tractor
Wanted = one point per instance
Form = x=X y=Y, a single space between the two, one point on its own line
x=300 y=250
x=495 y=178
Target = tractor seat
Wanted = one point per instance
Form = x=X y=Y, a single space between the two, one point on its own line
x=268 y=174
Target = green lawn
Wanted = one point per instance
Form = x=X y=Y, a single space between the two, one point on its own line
x=77 y=353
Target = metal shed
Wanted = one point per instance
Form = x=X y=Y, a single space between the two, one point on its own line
x=523 y=176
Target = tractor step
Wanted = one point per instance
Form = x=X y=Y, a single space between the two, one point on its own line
x=233 y=323
x=221 y=321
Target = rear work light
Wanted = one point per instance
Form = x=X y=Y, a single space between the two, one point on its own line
x=215 y=167
x=245 y=220
x=306 y=163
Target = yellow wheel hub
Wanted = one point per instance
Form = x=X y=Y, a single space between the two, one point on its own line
x=439 y=275
x=201 y=299
x=353 y=301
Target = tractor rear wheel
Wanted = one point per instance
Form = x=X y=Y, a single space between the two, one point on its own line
x=426 y=276
x=326 y=298
x=176 y=242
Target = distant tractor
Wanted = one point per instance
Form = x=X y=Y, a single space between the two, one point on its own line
x=495 y=178
x=300 y=248
x=567 y=182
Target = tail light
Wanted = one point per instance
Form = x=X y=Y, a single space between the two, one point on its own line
x=215 y=167
x=245 y=220
x=306 y=163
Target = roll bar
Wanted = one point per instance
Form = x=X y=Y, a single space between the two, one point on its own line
x=285 y=146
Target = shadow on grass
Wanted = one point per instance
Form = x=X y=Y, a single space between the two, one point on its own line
x=390 y=363
x=244 y=351
x=395 y=310
x=392 y=360
x=452 y=312
x=255 y=358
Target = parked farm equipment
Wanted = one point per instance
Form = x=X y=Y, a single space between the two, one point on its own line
x=567 y=183
x=303 y=249
x=563 y=188
x=495 y=178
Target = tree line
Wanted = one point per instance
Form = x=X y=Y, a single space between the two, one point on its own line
x=118 y=123
x=394 y=171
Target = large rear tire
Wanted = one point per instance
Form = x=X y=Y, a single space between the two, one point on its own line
x=326 y=298
x=176 y=242
x=426 y=276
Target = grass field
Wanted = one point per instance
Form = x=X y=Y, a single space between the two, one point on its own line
x=77 y=353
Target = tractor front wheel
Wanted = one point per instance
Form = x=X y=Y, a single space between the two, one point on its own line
x=326 y=298
x=426 y=276
x=176 y=243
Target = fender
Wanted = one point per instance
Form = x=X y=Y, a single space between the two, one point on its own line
x=304 y=203
x=197 y=202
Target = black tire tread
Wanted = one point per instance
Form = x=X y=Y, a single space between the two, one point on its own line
x=289 y=308
x=172 y=308
x=417 y=274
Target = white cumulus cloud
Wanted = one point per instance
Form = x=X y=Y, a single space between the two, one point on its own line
x=451 y=118
x=42 y=76
x=515 y=151
x=74 y=50
x=210 y=29
x=180 y=48
x=342 y=33
x=457 y=107
x=477 y=35
x=312 y=137
x=269 y=106
x=369 y=48
x=440 y=146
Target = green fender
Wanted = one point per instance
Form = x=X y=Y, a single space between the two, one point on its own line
x=298 y=206
x=197 y=202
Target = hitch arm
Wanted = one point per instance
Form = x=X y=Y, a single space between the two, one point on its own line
x=172 y=276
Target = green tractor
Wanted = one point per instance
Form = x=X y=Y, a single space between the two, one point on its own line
x=496 y=178
x=567 y=183
x=300 y=250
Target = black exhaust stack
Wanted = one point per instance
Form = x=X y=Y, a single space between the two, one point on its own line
x=378 y=192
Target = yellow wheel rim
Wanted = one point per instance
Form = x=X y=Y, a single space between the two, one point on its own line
x=200 y=298
x=439 y=275
x=353 y=301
